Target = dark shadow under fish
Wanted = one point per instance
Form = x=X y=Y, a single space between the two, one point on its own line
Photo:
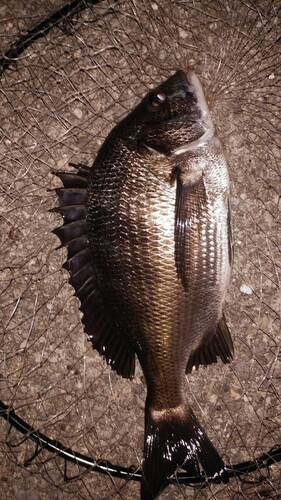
x=147 y=230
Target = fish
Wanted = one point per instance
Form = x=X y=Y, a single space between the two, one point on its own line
x=148 y=233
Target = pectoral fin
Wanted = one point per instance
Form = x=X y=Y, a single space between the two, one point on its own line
x=191 y=200
x=230 y=242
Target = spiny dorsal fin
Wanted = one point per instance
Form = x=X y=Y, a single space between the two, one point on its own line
x=73 y=234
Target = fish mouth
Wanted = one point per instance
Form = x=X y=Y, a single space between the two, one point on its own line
x=191 y=84
x=185 y=79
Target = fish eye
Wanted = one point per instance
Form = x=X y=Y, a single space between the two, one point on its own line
x=157 y=99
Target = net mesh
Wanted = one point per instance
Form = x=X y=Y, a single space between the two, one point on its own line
x=60 y=97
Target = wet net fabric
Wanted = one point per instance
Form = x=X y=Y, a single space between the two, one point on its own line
x=67 y=77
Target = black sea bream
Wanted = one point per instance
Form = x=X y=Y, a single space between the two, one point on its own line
x=149 y=254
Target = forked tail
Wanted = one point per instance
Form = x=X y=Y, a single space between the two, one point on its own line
x=174 y=438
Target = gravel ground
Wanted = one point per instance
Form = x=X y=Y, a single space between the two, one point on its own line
x=58 y=103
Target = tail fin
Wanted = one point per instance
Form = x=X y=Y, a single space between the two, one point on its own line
x=174 y=438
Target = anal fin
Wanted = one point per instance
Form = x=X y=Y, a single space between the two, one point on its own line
x=216 y=345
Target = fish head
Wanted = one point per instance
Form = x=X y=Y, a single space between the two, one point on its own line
x=170 y=118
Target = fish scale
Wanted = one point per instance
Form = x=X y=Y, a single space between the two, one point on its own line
x=154 y=262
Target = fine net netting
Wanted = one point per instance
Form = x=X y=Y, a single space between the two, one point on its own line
x=69 y=73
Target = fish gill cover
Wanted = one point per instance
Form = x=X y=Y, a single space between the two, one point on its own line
x=59 y=100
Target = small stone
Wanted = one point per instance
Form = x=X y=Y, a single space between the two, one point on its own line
x=246 y=289
x=78 y=112
x=183 y=34
x=234 y=394
x=271 y=76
